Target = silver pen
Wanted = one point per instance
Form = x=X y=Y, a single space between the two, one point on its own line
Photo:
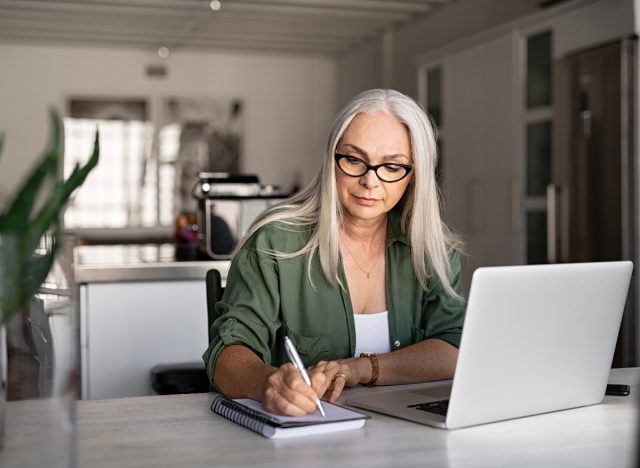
x=294 y=357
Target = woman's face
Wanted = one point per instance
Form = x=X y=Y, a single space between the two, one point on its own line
x=375 y=138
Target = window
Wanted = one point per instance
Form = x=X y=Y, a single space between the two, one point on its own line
x=118 y=193
x=147 y=167
x=434 y=94
x=122 y=190
x=539 y=70
x=434 y=105
x=538 y=119
x=538 y=146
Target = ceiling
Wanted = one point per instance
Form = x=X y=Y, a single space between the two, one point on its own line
x=304 y=26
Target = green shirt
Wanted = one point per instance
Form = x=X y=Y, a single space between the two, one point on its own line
x=267 y=298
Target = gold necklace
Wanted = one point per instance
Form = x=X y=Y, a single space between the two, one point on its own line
x=368 y=273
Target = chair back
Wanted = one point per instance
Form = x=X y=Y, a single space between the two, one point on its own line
x=214 y=294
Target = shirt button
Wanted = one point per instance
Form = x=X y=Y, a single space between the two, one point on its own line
x=396 y=344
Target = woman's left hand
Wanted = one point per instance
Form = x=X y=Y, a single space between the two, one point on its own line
x=342 y=373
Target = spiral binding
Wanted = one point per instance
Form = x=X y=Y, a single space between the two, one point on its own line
x=240 y=414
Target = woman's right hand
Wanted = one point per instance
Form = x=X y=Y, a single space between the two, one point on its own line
x=285 y=391
x=240 y=373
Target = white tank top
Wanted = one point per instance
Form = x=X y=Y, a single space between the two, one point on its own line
x=372 y=333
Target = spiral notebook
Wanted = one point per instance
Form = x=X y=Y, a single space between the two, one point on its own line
x=250 y=414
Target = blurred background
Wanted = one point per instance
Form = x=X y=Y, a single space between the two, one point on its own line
x=535 y=102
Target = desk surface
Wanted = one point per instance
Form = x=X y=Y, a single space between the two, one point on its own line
x=181 y=431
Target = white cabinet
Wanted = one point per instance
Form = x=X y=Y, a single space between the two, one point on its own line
x=488 y=158
x=481 y=173
x=129 y=327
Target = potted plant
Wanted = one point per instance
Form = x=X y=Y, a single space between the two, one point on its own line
x=32 y=214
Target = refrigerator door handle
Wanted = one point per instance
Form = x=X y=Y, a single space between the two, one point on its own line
x=585 y=118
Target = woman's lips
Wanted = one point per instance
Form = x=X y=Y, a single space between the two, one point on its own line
x=364 y=201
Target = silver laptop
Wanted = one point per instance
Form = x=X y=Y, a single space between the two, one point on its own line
x=536 y=339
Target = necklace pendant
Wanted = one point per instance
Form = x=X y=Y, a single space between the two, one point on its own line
x=368 y=275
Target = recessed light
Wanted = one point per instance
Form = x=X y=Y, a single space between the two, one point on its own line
x=163 y=52
x=215 y=5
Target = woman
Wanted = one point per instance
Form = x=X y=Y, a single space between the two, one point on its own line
x=358 y=269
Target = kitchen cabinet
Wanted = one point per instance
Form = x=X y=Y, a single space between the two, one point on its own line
x=138 y=308
x=480 y=175
x=505 y=133
x=129 y=327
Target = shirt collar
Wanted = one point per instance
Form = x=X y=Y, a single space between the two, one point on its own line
x=394 y=230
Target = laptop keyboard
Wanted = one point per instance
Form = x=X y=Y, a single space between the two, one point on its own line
x=438 y=407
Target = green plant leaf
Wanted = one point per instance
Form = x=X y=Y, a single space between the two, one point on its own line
x=22 y=283
x=49 y=215
x=79 y=174
x=24 y=271
x=19 y=212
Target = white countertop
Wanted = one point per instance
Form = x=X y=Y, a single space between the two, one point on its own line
x=139 y=262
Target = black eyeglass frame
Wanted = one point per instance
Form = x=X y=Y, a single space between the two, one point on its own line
x=370 y=167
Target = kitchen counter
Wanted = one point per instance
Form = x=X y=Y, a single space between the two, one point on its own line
x=143 y=262
x=142 y=297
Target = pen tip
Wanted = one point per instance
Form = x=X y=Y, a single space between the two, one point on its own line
x=321 y=409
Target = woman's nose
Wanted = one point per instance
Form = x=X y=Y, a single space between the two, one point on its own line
x=369 y=179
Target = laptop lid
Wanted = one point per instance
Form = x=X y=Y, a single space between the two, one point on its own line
x=536 y=338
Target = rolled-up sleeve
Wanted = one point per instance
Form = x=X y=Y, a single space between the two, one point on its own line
x=248 y=311
x=445 y=314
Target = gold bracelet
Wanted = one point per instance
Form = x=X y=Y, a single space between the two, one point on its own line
x=374 y=365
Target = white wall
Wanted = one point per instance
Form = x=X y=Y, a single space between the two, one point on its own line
x=289 y=99
x=359 y=70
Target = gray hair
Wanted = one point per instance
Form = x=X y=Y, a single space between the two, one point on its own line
x=317 y=205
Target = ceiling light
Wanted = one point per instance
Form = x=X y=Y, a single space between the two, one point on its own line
x=163 y=52
x=215 y=5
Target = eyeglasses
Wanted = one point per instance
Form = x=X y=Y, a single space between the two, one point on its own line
x=387 y=172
